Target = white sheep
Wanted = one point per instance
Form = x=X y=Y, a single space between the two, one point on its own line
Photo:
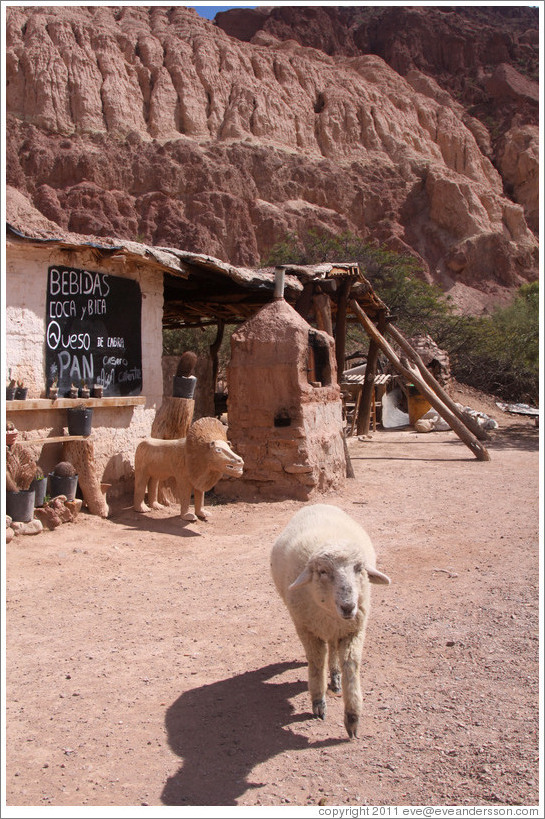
x=322 y=565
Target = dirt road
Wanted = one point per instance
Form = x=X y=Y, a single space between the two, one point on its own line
x=152 y=663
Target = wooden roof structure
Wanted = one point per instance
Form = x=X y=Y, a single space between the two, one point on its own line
x=213 y=292
x=200 y=290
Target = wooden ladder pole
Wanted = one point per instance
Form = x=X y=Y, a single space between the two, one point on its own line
x=432 y=382
x=413 y=376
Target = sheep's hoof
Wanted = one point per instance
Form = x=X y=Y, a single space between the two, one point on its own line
x=157 y=505
x=335 y=682
x=142 y=507
x=351 y=724
x=319 y=707
x=203 y=515
x=190 y=517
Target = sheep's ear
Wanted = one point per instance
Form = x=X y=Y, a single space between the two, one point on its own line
x=377 y=577
x=304 y=578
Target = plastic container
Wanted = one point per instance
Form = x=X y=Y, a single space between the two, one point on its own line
x=39 y=485
x=417 y=405
x=63 y=485
x=80 y=420
x=183 y=386
x=20 y=505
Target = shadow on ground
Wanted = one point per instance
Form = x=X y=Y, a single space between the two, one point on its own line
x=224 y=730
x=516 y=437
x=145 y=522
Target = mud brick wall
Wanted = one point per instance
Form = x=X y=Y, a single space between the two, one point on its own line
x=287 y=428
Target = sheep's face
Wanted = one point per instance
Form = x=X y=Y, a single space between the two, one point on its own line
x=336 y=584
x=224 y=460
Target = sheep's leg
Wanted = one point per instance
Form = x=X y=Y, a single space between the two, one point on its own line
x=350 y=650
x=184 y=494
x=200 y=511
x=334 y=669
x=316 y=651
x=140 y=485
x=153 y=492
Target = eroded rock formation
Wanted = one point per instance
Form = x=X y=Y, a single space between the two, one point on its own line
x=154 y=124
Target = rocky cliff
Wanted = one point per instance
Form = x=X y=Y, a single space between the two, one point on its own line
x=157 y=125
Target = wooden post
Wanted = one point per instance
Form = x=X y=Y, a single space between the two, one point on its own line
x=81 y=455
x=432 y=382
x=340 y=325
x=349 y=467
x=364 y=414
x=322 y=310
x=173 y=418
x=412 y=375
x=214 y=350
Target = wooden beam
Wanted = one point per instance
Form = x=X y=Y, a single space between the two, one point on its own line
x=322 y=310
x=364 y=413
x=340 y=325
x=64 y=403
x=432 y=382
x=413 y=376
x=214 y=350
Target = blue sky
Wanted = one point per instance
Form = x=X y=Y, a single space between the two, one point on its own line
x=211 y=11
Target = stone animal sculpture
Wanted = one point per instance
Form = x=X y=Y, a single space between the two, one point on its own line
x=196 y=462
x=322 y=565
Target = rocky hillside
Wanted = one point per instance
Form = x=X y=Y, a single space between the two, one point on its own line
x=416 y=128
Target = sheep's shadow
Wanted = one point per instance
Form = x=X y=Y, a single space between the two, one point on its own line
x=223 y=730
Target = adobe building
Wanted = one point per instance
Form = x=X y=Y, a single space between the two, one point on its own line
x=94 y=311
x=284 y=407
x=78 y=312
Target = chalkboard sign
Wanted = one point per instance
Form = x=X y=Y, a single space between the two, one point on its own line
x=93 y=332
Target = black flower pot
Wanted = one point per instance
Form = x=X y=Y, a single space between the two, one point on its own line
x=183 y=386
x=21 y=393
x=63 y=485
x=80 y=420
x=20 y=505
x=10 y=393
x=39 y=485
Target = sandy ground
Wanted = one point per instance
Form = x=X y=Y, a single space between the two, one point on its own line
x=152 y=663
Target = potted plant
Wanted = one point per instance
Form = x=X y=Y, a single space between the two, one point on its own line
x=63 y=481
x=98 y=391
x=20 y=472
x=10 y=389
x=21 y=392
x=80 y=420
x=85 y=392
x=74 y=392
x=185 y=381
x=53 y=391
x=39 y=484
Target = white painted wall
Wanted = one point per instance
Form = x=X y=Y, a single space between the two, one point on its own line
x=116 y=431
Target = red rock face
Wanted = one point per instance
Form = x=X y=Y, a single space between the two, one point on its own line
x=153 y=124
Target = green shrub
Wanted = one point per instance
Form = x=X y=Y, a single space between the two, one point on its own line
x=499 y=353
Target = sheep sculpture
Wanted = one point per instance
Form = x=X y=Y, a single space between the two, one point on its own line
x=322 y=565
x=196 y=462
